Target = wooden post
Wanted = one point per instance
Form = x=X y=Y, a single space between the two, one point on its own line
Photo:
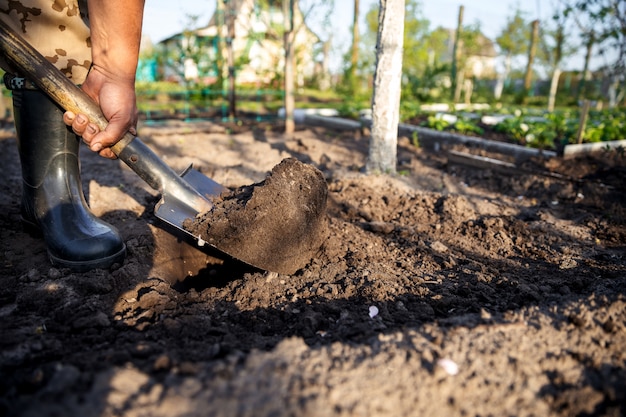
x=583 y=121
x=288 y=12
x=456 y=55
x=230 y=39
x=354 y=59
x=583 y=80
x=221 y=46
x=532 y=51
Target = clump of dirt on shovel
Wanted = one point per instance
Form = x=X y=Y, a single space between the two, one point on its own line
x=278 y=224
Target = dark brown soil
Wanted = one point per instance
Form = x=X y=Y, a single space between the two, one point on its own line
x=277 y=225
x=444 y=290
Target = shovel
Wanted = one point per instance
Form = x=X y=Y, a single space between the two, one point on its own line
x=182 y=197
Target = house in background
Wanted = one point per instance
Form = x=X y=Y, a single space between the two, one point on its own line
x=480 y=59
x=482 y=62
x=257 y=46
x=478 y=62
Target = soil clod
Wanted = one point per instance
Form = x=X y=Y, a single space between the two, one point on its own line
x=278 y=224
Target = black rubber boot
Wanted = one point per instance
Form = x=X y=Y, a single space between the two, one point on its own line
x=52 y=197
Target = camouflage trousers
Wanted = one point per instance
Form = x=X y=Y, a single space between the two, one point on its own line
x=58 y=29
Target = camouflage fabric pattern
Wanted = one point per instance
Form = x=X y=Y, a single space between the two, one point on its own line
x=58 y=29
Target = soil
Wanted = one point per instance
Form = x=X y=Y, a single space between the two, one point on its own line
x=286 y=213
x=443 y=290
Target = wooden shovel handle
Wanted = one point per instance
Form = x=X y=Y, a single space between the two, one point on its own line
x=51 y=81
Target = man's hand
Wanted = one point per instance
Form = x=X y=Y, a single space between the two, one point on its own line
x=115 y=37
x=117 y=101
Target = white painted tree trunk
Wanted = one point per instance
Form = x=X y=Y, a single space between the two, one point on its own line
x=502 y=78
x=554 y=85
x=387 y=87
x=614 y=96
x=468 y=90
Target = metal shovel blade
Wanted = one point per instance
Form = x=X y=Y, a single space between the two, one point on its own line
x=174 y=212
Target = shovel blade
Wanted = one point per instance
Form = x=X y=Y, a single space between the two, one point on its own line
x=174 y=211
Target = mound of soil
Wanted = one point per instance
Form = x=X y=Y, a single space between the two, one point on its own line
x=444 y=290
x=277 y=225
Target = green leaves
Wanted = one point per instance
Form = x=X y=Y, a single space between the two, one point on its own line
x=463 y=125
x=606 y=126
x=559 y=128
x=515 y=36
x=604 y=22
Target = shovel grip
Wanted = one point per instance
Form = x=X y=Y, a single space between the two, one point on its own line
x=51 y=81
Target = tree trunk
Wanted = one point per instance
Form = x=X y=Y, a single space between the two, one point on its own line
x=456 y=56
x=468 y=90
x=288 y=14
x=532 y=51
x=354 y=59
x=614 y=94
x=554 y=85
x=458 y=86
x=221 y=46
x=583 y=80
x=325 y=74
x=230 y=39
x=387 y=87
x=497 y=93
x=558 y=55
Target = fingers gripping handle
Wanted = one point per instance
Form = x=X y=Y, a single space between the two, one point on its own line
x=50 y=80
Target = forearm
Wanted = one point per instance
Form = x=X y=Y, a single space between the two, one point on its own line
x=116 y=36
